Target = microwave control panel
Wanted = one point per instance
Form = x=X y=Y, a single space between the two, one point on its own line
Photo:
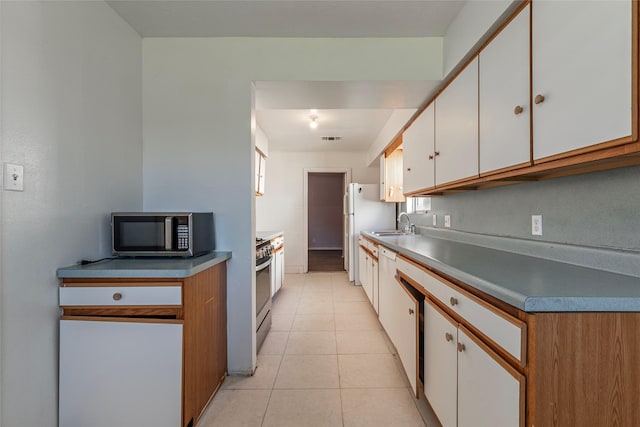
x=183 y=237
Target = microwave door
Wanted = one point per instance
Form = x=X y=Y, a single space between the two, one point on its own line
x=168 y=233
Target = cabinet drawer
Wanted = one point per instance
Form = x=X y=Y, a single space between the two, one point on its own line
x=373 y=248
x=501 y=328
x=411 y=270
x=387 y=253
x=120 y=295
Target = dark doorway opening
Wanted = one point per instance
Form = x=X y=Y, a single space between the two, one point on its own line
x=326 y=221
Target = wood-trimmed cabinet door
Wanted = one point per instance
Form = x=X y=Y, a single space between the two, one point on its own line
x=582 y=77
x=375 y=283
x=490 y=392
x=505 y=114
x=440 y=364
x=406 y=342
x=418 y=152
x=386 y=284
x=456 y=142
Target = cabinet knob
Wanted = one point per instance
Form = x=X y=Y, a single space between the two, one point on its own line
x=453 y=301
x=437 y=153
x=117 y=296
x=448 y=337
x=430 y=156
x=539 y=99
x=408 y=169
x=411 y=311
x=518 y=110
x=461 y=347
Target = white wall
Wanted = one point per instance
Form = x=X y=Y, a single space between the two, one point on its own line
x=282 y=206
x=474 y=22
x=398 y=119
x=198 y=145
x=71 y=114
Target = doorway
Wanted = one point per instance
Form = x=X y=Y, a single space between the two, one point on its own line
x=325 y=230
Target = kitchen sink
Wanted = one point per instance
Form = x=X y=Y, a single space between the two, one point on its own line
x=389 y=233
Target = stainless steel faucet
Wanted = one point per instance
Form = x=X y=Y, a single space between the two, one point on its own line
x=409 y=227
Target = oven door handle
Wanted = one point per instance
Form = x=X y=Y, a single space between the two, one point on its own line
x=263 y=265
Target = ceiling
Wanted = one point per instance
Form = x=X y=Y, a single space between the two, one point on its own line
x=355 y=111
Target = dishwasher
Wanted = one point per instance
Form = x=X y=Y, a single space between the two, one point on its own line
x=120 y=355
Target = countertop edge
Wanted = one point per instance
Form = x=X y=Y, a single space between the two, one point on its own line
x=77 y=272
x=526 y=303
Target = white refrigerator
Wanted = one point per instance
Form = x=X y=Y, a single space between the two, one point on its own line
x=364 y=212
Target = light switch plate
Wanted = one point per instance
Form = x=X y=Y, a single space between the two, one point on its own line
x=13 y=177
x=435 y=220
x=536 y=225
x=447 y=221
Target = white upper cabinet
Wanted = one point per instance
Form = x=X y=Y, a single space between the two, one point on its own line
x=505 y=138
x=457 y=128
x=582 y=85
x=418 y=157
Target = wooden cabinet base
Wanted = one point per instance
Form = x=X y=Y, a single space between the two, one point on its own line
x=202 y=312
x=584 y=370
x=205 y=339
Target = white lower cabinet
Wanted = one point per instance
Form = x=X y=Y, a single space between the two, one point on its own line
x=466 y=383
x=375 y=284
x=277 y=265
x=386 y=283
x=105 y=365
x=406 y=335
x=277 y=277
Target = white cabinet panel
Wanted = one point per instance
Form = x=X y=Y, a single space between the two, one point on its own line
x=582 y=67
x=488 y=393
x=504 y=97
x=464 y=381
x=120 y=295
x=457 y=127
x=120 y=374
x=418 y=145
x=386 y=283
x=440 y=364
x=375 y=284
x=406 y=339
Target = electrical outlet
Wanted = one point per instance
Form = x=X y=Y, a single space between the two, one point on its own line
x=447 y=221
x=435 y=220
x=536 y=225
x=13 y=177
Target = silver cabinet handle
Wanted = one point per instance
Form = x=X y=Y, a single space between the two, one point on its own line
x=461 y=347
x=453 y=301
x=448 y=337
x=117 y=296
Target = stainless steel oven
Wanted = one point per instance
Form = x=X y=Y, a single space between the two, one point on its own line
x=263 y=290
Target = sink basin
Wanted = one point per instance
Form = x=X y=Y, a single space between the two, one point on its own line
x=389 y=233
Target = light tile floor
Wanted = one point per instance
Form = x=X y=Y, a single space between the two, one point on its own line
x=325 y=362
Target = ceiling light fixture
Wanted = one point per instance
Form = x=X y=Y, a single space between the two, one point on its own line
x=313 y=124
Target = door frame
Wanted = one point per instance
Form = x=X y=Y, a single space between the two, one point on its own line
x=306 y=172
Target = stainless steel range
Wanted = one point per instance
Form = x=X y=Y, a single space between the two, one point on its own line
x=264 y=251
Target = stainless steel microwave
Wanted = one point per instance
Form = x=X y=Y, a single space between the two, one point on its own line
x=182 y=234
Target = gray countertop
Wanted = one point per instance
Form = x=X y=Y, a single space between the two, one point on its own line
x=525 y=282
x=138 y=268
x=268 y=235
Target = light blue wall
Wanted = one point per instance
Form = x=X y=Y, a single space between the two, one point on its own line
x=600 y=209
x=71 y=114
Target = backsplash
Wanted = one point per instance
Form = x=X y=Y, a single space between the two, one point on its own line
x=599 y=210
